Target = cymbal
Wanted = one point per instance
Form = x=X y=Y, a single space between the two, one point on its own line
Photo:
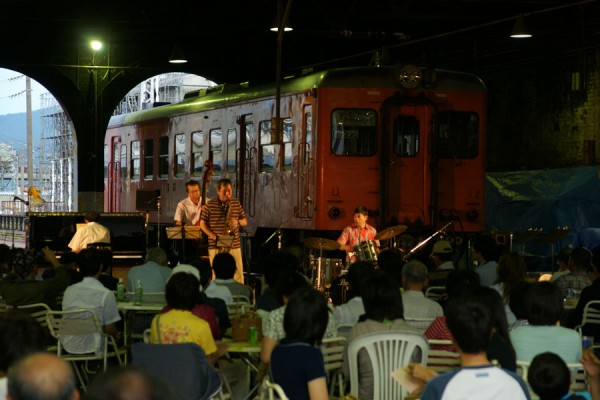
x=321 y=243
x=390 y=232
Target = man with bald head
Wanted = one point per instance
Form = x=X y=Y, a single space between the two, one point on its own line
x=41 y=376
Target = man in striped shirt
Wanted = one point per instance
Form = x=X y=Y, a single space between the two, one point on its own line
x=220 y=221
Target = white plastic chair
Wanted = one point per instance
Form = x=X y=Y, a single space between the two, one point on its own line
x=591 y=316
x=419 y=322
x=435 y=292
x=388 y=351
x=81 y=322
x=272 y=390
x=39 y=311
x=578 y=375
x=333 y=356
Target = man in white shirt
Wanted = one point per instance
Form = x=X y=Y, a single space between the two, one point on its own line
x=92 y=232
x=485 y=252
x=90 y=294
x=416 y=305
x=188 y=209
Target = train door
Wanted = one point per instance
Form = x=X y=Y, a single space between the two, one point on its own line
x=406 y=164
x=114 y=175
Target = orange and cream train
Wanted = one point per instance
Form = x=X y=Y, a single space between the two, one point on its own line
x=406 y=142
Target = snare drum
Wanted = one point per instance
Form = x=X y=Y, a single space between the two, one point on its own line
x=366 y=251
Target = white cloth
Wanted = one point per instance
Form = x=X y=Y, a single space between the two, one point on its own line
x=446 y=265
x=348 y=314
x=3 y=387
x=187 y=212
x=92 y=232
x=220 y=292
x=416 y=305
x=89 y=294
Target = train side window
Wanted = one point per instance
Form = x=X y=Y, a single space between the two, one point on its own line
x=179 y=155
x=123 y=161
x=148 y=159
x=406 y=136
x=267 y=150
x=231 y=150
x=163 y=164
x=216 y=150
x=458 y=133
x=250 y=137
x=307 y=136
x=287 y=144
x=135 y=160
x=105 y=161
x=197 y=153
x=353 y=132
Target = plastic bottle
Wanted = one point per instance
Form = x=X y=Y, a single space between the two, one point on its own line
x=120 y=290
x=139 y=293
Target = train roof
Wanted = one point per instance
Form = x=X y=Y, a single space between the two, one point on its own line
x=359 y=77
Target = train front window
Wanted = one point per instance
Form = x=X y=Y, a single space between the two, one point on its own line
x=179 y=155
x=197 y=153
x=231 y=150
x=135 y=160
x=216 y=149
x=287 y=144
x=406 y=136
x=458 y=133
x=354 y=132
x=148 y=159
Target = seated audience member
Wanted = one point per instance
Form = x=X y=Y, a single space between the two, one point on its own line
x=459 y=283
x=106 y=278
x=20 y=286
x=580 y=264
x=416 y=305
x=273 y=330
x=20 y=335
x=544 y=308
x=391 y=261
x=129 y=383
x=383 y=309
x=485 y=252
x=550 y=378
x=297 y=363
x=517 y=304
x=471 y=325
x=589 y=293
x=349 y=313
x=4 y=265
x=179 y=325
x=224 y=267
x=441 y=256
x=153 y=274
x=562 y=261
x=203 y=311
x=90 y=294
x=510 y=270
x=69 y=261
x=218 y=304
x=273 y=266
x=42 y=376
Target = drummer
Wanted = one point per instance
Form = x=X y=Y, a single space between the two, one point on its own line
x=356 y=233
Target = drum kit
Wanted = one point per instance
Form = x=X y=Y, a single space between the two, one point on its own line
x=324 y=271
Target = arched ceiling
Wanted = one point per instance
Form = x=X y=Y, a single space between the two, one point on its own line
x=229 y=41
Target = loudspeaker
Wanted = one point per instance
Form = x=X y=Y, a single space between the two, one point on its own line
x=147 y=200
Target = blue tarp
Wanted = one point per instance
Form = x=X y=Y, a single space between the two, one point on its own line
x=543 y=199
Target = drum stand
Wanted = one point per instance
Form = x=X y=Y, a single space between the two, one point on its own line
x=318 y=277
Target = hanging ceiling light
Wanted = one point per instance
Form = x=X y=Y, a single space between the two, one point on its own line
x=287 y=27
x=520 y=30
x=177 y=55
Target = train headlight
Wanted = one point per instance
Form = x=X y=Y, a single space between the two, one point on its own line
x=335 y=213
x=410 y=77
x=472 y=215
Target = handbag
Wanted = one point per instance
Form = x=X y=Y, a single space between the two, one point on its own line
x=241 y=324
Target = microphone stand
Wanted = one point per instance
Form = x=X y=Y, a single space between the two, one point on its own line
x=279 y=233
x=421 y=244
x=158 y=224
